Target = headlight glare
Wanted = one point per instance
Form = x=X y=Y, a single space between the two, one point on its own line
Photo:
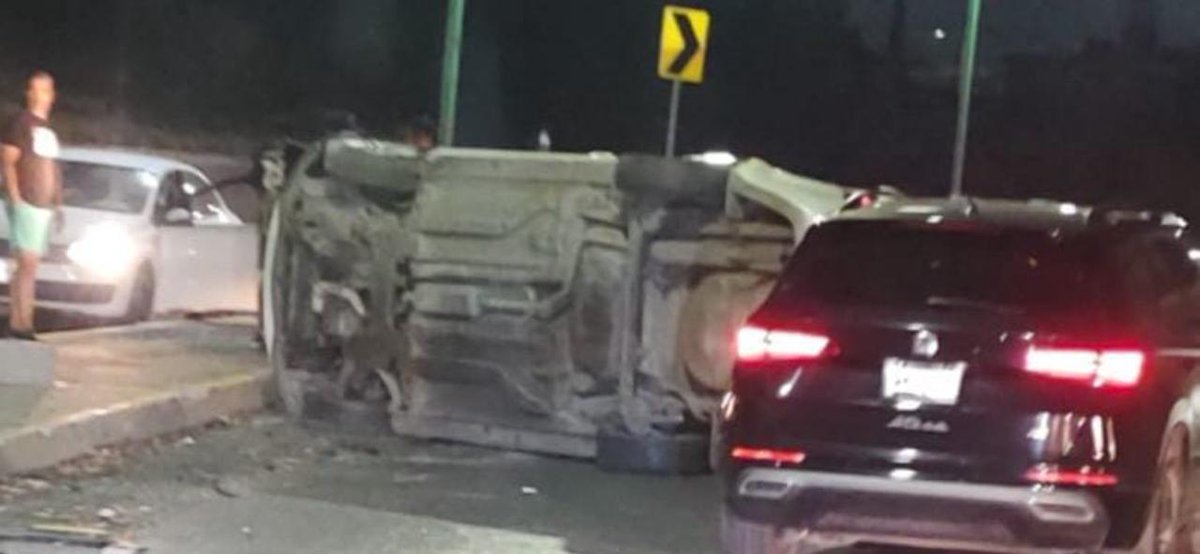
x=106 y=250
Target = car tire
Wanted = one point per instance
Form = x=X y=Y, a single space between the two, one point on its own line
x=287 y=390
x=741 y=536
x=292 y=275
x=1167 y=505
x=141 y=296
x=716 y=446
x=673 y=181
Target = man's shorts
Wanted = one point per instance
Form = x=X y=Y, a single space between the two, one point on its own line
x=29 y=227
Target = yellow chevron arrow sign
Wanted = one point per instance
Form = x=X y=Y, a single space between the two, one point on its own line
x=684 y=44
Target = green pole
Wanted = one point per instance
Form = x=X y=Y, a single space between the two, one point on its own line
x=450 y=64
x=966 y=77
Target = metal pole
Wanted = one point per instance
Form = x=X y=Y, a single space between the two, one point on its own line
x=451 y=54
x=966 y=76
x=673 y=119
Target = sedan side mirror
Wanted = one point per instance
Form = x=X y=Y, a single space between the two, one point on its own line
x=177 y=216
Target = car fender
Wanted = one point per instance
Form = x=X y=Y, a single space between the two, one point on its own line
x=1183 y=412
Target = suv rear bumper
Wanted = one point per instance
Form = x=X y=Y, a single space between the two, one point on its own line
x=845 y=509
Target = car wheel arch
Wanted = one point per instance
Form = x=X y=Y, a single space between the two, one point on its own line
x=1182 y=415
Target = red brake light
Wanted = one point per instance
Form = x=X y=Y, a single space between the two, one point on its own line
x=1082 y=477
x=767 y=455
x=758 y=344
x=1100 y=367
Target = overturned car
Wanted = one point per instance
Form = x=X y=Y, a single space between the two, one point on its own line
x=574 y=304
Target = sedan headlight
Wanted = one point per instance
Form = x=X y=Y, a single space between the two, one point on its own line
x=105 y=249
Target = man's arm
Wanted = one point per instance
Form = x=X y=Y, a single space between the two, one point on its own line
x=10 y=156
x=58 y=188
x=60 y=220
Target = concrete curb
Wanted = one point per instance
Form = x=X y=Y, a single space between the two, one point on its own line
x=48 y=443
x=148 y=326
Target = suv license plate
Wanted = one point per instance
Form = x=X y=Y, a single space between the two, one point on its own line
x=927 y=382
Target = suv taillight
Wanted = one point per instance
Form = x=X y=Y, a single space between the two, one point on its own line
x=1082 y=477
x=757 y=344
x=1100 y=367
x=767 y=455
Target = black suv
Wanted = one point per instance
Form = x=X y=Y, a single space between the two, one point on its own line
x=970 y=375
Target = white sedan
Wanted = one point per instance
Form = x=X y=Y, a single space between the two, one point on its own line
x=143 y=235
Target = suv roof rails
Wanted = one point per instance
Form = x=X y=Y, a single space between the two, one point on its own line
x=1112 y=217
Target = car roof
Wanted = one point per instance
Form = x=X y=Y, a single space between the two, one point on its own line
x=131 y=159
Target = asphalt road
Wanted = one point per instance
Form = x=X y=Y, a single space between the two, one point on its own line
x=268 y=485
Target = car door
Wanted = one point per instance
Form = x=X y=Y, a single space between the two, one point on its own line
x=206 y=257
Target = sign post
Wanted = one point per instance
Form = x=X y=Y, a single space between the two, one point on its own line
x=682 y=50
x=673 y=119
x=450 y=67
x=966 y=76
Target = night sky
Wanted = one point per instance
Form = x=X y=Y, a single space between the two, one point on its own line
x=1082 y=99
x=1048 y=27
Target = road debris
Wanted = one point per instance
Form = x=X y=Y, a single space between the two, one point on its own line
x=35 y=485
x=68 y=529
x=122 y=549
x=282 y=464
x=529 y=491
x=409 y=478
x=60 y=536
x=368 y=449
x=231 y=488
x=267 y=420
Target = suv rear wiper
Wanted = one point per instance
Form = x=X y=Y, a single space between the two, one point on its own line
x=949 y=302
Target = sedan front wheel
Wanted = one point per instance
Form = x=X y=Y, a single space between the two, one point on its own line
x=141 y=296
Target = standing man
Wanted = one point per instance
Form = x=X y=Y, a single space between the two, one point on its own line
x=33 y=185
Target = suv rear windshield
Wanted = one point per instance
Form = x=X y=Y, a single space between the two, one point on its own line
x=893 y=264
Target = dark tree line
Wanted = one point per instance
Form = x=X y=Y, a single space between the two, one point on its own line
x=792 y=81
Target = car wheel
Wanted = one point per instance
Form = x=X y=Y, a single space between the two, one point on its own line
x=141 y=296
x=1168 y=518
x=741 y=536
x=1166 y=529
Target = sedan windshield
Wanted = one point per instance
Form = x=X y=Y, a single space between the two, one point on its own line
x=106 y=188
